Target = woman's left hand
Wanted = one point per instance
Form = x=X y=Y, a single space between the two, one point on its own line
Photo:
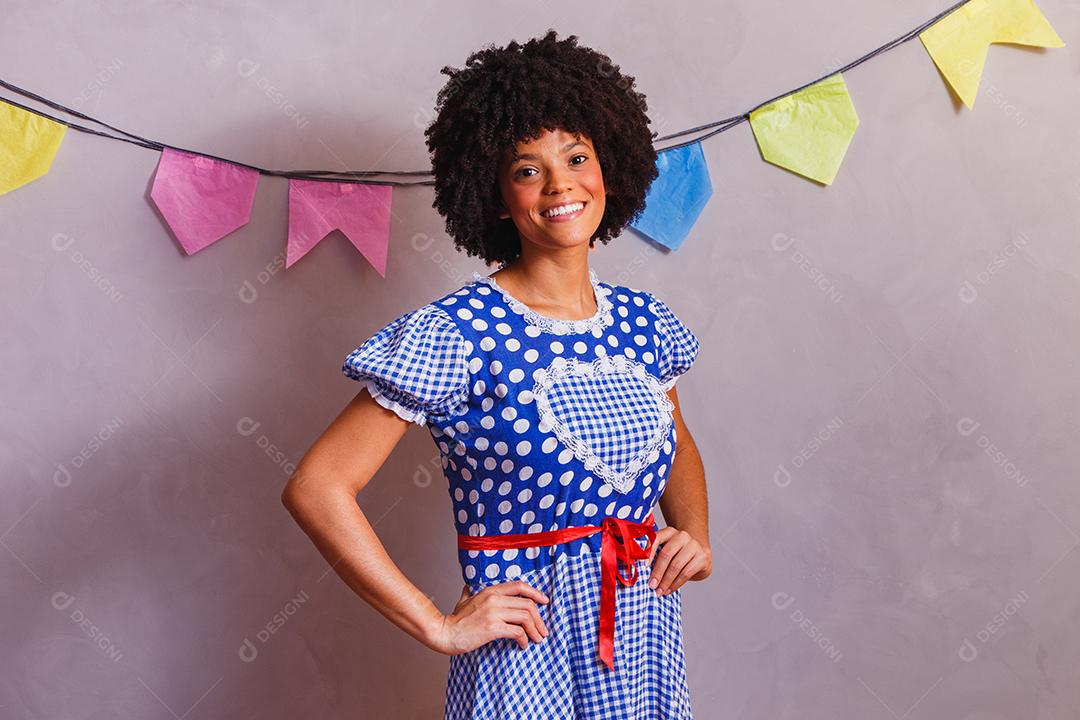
x=679 y=557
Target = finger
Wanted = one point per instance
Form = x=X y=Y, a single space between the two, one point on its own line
x=515 y=633
x=687 y=573
x=663 y=558
x=523 y=618
x=527 y=604
x=671 y=573
x=662 y=536
x=518 y=587
x=657 y=570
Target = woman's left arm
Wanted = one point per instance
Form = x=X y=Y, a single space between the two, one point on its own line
x=682 y=551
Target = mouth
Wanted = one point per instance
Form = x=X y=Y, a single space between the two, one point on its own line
x=564 y=213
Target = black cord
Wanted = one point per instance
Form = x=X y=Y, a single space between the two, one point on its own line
x=731 y=122
x=720 y=125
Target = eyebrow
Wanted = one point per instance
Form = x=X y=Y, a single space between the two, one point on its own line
x=567 y=148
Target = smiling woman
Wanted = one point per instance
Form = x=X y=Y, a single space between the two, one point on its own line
x=552 y=189
x=514 y=115
x=550 y=396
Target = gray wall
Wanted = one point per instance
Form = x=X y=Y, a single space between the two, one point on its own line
x=886 y=397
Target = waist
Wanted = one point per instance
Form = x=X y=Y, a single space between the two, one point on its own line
x=618 y=545
x=546 y=538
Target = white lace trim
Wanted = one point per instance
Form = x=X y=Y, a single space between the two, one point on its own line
x=600 y=320
x=405 y=413
x=562 y=367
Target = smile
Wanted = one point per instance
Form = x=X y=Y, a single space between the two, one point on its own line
x=562 y=213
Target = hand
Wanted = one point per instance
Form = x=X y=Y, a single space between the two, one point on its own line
x=503 y=610
x=679 y=557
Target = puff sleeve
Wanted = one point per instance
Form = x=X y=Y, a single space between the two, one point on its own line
x=417 y=365
x=677 y=346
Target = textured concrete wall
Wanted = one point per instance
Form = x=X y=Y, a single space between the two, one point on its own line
x=886 y=397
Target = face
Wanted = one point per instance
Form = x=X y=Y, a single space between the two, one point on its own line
x=554 y=170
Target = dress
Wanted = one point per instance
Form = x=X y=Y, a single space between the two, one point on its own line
x=543 y=424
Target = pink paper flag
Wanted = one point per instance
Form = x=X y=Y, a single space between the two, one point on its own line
x=360 y=211
x=201 y=198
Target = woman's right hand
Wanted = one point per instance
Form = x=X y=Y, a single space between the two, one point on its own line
x=503 y=610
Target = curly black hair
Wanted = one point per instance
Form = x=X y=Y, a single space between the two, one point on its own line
x=508 y=95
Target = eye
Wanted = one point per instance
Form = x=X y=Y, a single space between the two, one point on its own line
x=518 y=173
x=586 y=157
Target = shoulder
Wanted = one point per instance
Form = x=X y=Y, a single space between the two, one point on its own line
x=450 y=302
x=442 y=312
x=647 y=301
x=630 y=299
x=429 y=320
x=415 y=365
x=425 y=334
x=667 y=322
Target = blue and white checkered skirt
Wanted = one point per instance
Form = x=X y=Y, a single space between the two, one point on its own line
x=561 y=677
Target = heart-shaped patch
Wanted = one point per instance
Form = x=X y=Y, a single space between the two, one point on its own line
x=612 y=412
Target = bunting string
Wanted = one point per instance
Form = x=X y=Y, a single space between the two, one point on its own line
x=806 y=130
x=731 y=122
x=724 y=124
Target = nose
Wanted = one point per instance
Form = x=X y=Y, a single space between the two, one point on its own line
x=557 y=183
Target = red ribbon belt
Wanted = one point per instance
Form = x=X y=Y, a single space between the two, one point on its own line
x=618 y=543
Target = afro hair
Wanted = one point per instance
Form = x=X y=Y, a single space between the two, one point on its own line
x=504 y=96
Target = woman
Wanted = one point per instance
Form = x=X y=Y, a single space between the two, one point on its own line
x=550 y=395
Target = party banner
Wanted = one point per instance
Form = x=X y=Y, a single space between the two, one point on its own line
x=808 y=132
x=959 y=42
x=28 y=144
x=676 y=197
x=202 y=199
x=360 y=211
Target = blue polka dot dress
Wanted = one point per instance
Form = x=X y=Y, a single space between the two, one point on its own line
x=545 y=424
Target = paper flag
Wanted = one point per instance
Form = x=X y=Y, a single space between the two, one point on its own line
x=676 y=197
x=28 y=144
x=809 y=131
x=202 y=199
x=958 y=43
x=360 y=211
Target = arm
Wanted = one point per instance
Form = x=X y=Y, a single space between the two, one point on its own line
x=321 y=497
x=685 y=505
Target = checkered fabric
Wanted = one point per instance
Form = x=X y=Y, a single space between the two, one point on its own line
x=526 y=447
x=615 y=414
x=561 y=677
x=678 y=345
x=417 y=361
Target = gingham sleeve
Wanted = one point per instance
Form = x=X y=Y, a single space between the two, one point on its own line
x=416 y=365
x=677 y=345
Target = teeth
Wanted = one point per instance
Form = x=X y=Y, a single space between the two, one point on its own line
x=563 y=209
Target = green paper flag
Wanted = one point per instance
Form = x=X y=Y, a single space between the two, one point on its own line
x=809 y=131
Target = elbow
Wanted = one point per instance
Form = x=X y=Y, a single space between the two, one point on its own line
x=308 y=486
x=293 y=493
x=288 y=496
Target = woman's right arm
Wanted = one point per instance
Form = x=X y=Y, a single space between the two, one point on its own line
x=321 y=497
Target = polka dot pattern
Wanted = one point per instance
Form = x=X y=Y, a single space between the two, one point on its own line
x=601 y=448
x=524 y=452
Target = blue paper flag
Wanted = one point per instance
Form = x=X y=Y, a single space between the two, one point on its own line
x=676 y=197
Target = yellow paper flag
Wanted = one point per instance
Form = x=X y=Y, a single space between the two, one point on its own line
x=959 y=41
x=28 y=144
x=809 y=131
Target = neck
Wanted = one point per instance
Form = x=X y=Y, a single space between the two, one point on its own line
x=551 y=284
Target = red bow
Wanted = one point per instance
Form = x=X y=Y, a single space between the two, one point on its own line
x=618 y=543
